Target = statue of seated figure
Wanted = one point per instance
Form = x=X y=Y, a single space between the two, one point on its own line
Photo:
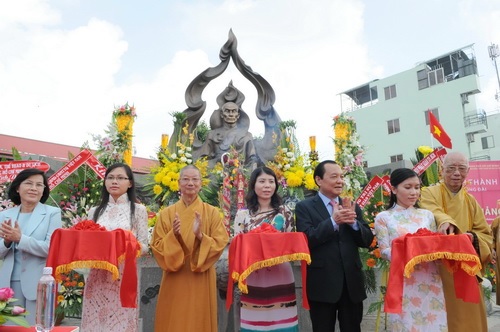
x=230 y=133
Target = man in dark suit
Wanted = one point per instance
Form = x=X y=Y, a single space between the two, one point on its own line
x=336 y=230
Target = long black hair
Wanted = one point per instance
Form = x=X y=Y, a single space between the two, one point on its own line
x=132 y=197
x=23 y=175
x=251 y=197
x=397 y=176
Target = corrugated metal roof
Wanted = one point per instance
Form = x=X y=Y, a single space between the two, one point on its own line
x=27 y=147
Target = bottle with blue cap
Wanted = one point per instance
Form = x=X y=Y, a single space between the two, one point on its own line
x=45 y=302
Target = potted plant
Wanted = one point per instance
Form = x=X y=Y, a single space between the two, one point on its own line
x=70 y=296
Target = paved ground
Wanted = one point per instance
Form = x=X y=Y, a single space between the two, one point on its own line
x=369 y=322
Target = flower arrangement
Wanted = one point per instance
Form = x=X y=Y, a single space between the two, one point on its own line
x=233 y=184
x=371 y=257
x=349 y=154
x=490 y=274
x=9 y=312
x=292 y=169
x=152 y=218
x=5 y=202
x=124 y=110
x=77 y=195
x=116 y=145
x=432 y=174
x=70 y=295
x=165 y=176
x=124 y=118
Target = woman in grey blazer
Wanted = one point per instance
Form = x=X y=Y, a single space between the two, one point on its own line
x=25 y=232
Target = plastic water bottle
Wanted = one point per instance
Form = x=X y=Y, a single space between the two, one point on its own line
x=45 y=301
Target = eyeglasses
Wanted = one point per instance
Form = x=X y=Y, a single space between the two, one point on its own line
x=187 y=180
x=38 y=186
x=453 y=169
x=117 y=178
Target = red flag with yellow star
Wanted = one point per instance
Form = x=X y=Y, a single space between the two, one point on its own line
x=438 y=132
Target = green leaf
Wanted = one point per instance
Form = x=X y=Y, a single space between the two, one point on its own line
x=375 y=307
x=18 y=320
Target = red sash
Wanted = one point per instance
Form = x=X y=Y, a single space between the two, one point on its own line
x=252 y=251
x=458 y=256
x=72 y=249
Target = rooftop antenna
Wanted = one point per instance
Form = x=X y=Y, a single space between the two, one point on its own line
x=494 y=53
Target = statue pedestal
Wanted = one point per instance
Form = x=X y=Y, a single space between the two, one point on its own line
x=149 y=279
x=149 y=285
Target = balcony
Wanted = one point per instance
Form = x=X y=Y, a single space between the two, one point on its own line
x=476 y=123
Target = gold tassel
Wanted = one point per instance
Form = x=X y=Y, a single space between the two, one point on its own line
x=266 y=263
x=66 y=268
x=471 y=270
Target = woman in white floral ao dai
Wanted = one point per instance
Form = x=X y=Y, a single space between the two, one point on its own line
x=102 y=310
x=423 y=299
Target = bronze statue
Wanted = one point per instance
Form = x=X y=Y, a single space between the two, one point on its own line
x=223 y=135
x=226 y=134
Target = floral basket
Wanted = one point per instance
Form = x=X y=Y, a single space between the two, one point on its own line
x=9 y=312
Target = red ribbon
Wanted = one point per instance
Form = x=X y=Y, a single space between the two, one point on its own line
x=263 y=247
x=70 y=249
x=456 y=251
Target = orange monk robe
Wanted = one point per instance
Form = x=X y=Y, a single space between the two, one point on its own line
x=188 y=298
x=464 y=212
x=495 y=229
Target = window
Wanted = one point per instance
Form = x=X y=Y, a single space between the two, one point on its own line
x=434 y=111
x=390 y=92
x=436 y=76
x=488 y=142
x=393 y=126
x=423 y=81
x=396 y=158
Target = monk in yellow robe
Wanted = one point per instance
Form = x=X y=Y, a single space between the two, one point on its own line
x=458 y=212
x=495 y=230
x=188 y=239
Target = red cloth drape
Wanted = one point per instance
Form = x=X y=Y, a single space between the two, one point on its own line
x=71 y=249
x=252 y=251
x=458 y=256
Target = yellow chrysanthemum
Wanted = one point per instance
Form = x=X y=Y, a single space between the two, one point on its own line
x=174 y=186
x=166 y=180
x=157 y=189
x=342 y=131
x=300 y=172
x=425 y=150
x=309 y=181
x=292 y=179
x=159 y=177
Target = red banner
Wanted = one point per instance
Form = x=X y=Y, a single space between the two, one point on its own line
x=387 y=183
x=483 y=182
x=10 y=169
x=85 y=156
x=369 y=190
x=384 y=181
x=427 y=161
x=96 y=165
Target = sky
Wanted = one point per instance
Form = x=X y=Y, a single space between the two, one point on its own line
x=65 y=64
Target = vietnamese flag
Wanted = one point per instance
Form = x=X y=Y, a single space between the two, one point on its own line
x=438 y=132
